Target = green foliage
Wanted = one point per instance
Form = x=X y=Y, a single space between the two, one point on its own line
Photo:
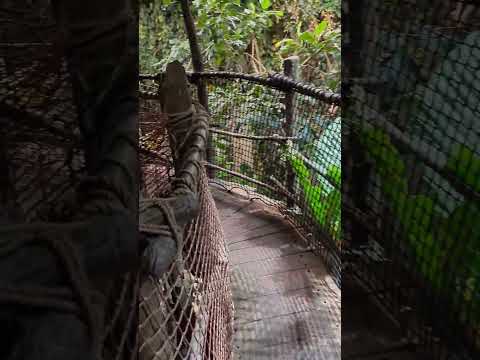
x=265 y=4
x=223 y=156
x=335 y=174
x=240 y=35
x=461 y=234
x=325 y=207
x=320 y=42
x=466 y=165
x=247 y=170
x=227 y=28
x=388 y=163
x=414 y=212
x=463 y=225
x=161 y=36
x=434 y=239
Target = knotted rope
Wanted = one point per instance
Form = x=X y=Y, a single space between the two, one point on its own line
x=188 y=137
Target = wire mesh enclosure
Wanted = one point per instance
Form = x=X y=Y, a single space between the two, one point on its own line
x=411 y=148
x=281 y=140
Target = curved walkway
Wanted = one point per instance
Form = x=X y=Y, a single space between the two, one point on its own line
x=286 y=306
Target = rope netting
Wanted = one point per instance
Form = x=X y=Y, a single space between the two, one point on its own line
x=189 y=314
x=411 y=148
x=66 y=259
x=41 y=163
x=278 y=140
x=185 y=311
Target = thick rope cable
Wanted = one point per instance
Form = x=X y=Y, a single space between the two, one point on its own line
x=184 y=127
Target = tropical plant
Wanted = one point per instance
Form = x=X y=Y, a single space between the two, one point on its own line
x=322 y=43
x=325 y=205
x=246 y=36
x=435 y=239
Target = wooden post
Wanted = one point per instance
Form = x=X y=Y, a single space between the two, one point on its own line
x=198 y=67
x=195 y=50
x=291 y=67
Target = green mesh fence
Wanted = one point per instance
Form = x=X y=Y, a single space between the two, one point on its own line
x=411 y=148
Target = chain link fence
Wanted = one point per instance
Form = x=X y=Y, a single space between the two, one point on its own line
x=411 y=150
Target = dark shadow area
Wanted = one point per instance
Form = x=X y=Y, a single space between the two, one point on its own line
x=410 y=156
x=69 y=245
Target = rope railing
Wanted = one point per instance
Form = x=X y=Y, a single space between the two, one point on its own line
x=186 y=305
x=274 y=80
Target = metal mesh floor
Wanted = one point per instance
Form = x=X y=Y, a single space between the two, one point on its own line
x=286 y=305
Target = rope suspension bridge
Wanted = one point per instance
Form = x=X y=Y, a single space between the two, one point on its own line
x=238 y=185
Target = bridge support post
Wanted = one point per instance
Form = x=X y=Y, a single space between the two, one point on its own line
x=198 y=67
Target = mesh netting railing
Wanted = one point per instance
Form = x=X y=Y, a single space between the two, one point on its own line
x=411 y=148
x=281 y=140
x=64 y=276
x=294 y=167
x=189 y=315
x=255 y=148
x=186 y=311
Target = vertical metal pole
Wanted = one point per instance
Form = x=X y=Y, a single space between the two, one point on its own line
x=198 y=67
x=291 y=67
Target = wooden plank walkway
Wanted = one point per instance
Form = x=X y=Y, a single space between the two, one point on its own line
x=286 y=306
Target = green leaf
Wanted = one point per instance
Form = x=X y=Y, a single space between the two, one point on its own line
x=320 y=28
x=334 y=201
x=265 y=4
x=463 y=226
x=299 y=167
x=284 y=42
x=335 y=173
x=395 y=188
x=299 y=28
x=244 y=168
x=417 y=213
x=326 y=211
x=307 y=37
x=466 y=165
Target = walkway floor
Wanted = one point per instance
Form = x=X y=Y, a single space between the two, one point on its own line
x=286 y=306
